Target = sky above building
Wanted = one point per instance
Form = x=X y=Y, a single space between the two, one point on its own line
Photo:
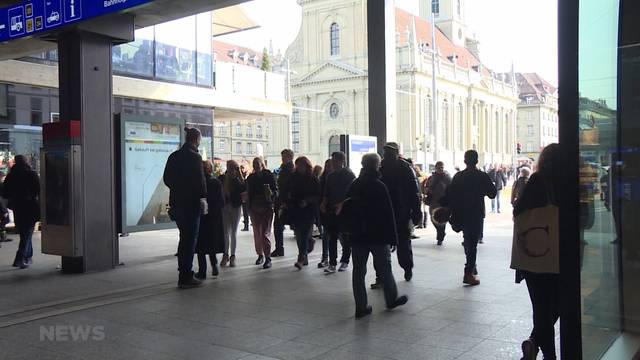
x=518 y=32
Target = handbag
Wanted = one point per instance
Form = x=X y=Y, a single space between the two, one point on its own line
x=536 y=238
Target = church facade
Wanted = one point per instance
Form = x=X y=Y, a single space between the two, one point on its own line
x=473 y=107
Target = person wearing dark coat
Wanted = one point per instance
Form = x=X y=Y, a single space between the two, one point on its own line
x=402 y=184
x=261 y=188
x=211 y=234
x=465 y=198
x=544 y=288
x=303 y=202
x=184 y=177
x=499 y=179
x=22 y=190
x=435 y=188
x=284 y=186
x=233 y=187
x=374 y=232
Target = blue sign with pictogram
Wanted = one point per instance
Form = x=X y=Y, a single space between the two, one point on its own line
x=33 y=17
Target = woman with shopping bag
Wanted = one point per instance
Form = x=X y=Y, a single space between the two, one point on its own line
x=535 y=252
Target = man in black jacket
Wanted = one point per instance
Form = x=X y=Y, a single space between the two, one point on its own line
x=499 y=179
x=184 y=176
x=465 y=198
x=284 y=187
x=374 y=232
x=403 y=188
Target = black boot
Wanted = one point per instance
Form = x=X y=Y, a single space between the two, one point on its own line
x=187 y=281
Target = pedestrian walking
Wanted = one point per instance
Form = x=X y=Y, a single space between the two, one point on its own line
x=302 y=204
x=284 y=186
x=233 y=185
x=435 y=188
x=324 y=261
x=465 y=198
x=499 y=179
x=372 y=231
x=22 y=190
x=261 y=189
x=184 y=176
x=519 y=185
x=402 y=185
x=543 y=189
x=335 y=192
x=211 y=232
x=245 y=205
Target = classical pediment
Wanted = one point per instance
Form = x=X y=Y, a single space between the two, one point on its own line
x=331 y=71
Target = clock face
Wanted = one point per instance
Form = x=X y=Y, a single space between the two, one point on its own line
x=334 y=111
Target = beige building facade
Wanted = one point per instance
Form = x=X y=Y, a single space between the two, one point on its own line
x=474 y=107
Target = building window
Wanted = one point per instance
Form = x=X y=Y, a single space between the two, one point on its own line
x=259 y=131
x=249 y=131
x=435 y=7
x=460 y=127
x=487 y=130
x=295 y=129
x=530 y=130
x=238 y=148
x=249 y=148
x=222 y=144
x=335 y=39
x=445 y=123
x=459 y=8
x=238 y=130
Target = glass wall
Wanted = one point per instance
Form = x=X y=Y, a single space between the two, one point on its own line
x=177 y=51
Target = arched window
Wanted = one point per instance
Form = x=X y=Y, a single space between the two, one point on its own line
x=460 y=127
x=435 y=7
x=445 y=125
x=335 y=39
x=259 y=131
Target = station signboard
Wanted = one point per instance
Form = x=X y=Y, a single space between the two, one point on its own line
x=37 y=17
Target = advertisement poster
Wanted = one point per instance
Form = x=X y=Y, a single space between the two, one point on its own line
x=358 y=147
x=147 y=146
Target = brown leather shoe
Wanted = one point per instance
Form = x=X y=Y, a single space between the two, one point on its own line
x=471 y=279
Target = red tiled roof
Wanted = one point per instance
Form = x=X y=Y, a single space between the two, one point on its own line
x=224 y=52
x=446 y=47
x=534 y=84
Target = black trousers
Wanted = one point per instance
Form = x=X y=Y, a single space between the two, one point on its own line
x=333 y=231
x=278 y=230
x=404 y=249
x=544 y=295
x=245 y=215
x=472 y=233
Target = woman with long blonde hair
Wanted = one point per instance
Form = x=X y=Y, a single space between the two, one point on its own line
x=233 y=185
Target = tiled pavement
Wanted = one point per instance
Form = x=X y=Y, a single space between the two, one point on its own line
x=250 y=313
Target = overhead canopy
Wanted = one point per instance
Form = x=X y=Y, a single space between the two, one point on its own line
x=230 y=20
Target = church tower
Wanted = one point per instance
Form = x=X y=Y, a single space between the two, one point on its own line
x=450 y=18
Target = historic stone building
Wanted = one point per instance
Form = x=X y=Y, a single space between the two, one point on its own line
x=475 y=108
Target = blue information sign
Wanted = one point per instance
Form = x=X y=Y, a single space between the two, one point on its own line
x=33 y=17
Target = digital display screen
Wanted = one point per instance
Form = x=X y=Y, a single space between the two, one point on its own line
x=57 y=188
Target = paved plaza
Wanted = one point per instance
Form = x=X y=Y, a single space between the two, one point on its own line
x=136 y=311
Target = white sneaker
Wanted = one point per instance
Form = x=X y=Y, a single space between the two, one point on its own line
x=343 y=267
x=331 y=269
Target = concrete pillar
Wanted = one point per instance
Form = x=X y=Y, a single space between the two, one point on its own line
x=86 y=95
x=381 y=26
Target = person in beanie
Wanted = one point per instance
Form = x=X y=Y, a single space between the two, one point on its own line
x=373 y=230
x=400 y=180
x=465 y=198
x=184 y=176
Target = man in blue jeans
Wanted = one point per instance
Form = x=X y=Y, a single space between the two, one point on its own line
x=184 y=176
x=372 y=227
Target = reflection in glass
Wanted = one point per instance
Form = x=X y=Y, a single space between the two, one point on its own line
x=204 y=49
x=135 y=58
x=598 y=145
x=175 y=52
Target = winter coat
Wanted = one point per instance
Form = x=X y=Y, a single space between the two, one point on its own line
x=211 y=233
x=371 y=205
x=184 y=176
x=518 y=188
x=465 y=197
x=307 y=189
x=437 y=186
x=498 y=178
x=234 y=198
x=255 y=188
x=401 y=182
x=22 y=190
x=284 y=182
